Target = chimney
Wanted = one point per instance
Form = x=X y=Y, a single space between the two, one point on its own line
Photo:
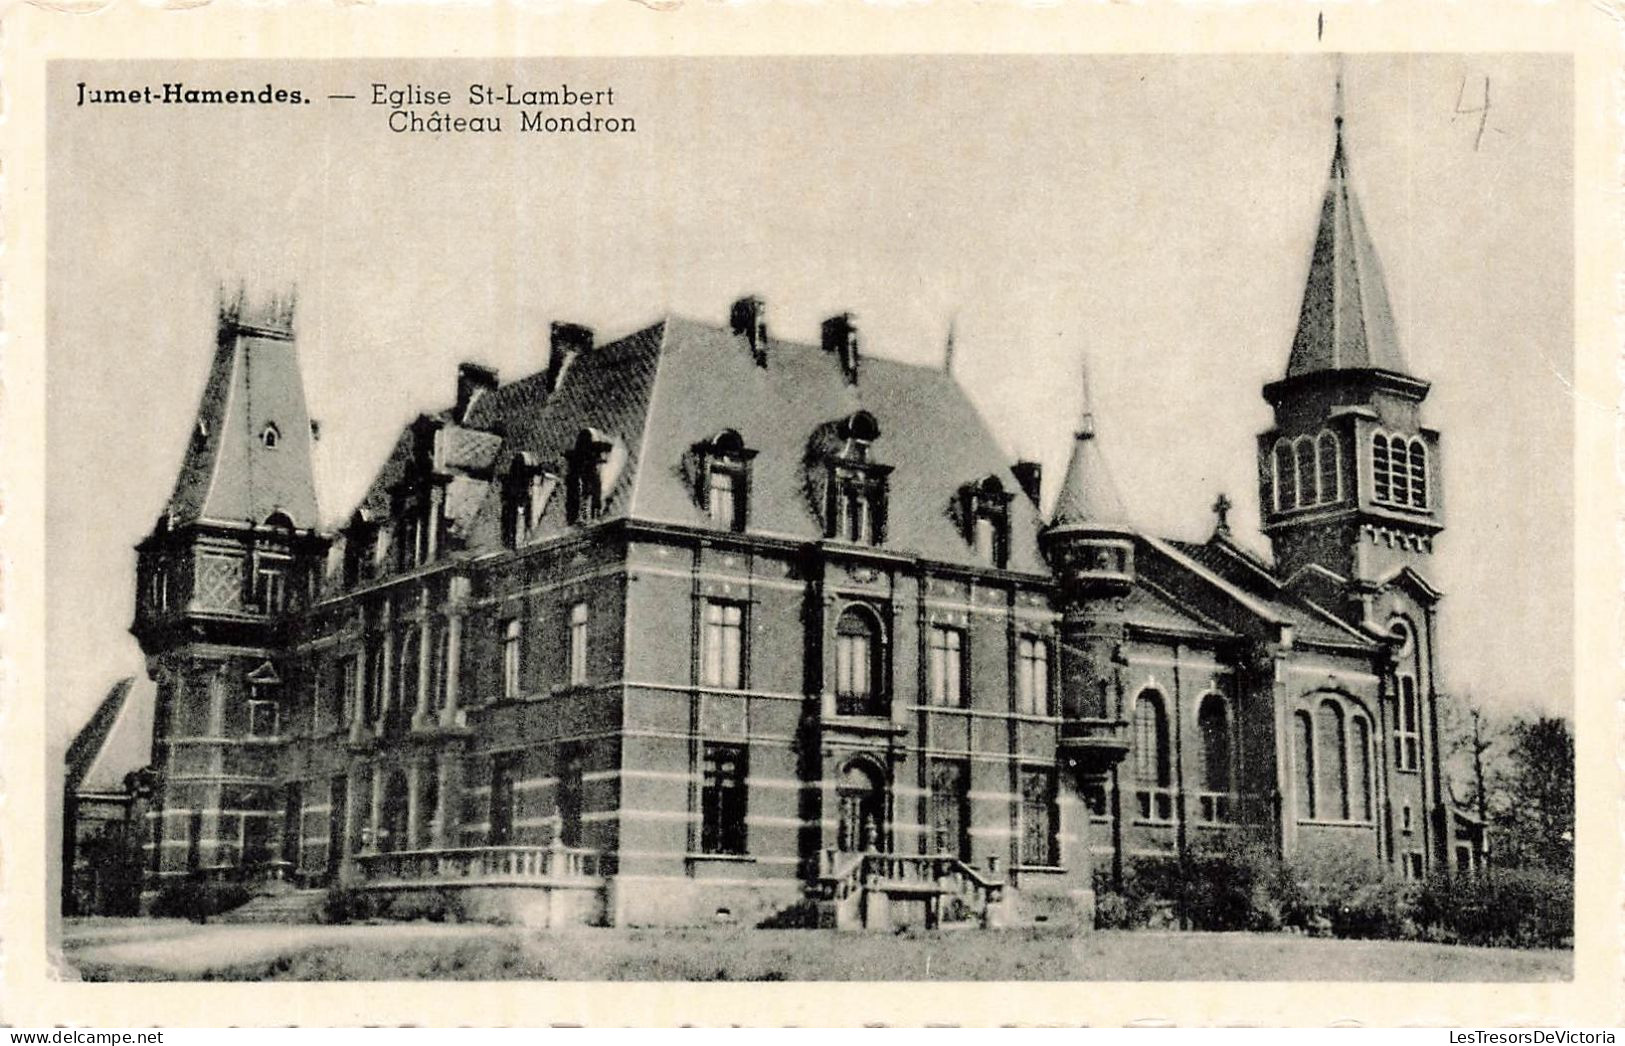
x=566 y=341
x=749 y=318
x=472 y=379
x=841 y=337
x=1030 y=474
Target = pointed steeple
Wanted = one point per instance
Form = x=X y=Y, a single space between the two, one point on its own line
x=1345 y=322
x=249 y=455
x=1088 y=496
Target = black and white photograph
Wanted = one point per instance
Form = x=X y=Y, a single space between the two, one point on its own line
x=806 y=518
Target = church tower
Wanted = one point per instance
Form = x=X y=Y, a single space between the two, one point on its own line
x=236 y=548
x=1349 y=475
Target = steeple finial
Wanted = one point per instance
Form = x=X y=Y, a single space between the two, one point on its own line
x=1086 y=417
x=1088 y=496
x=948 y=348
x=1221 y=514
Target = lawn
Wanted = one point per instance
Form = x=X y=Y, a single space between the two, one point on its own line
x=151 y=949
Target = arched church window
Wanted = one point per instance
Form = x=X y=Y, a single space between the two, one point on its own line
x=1381 y=471
x=270 y=437
x=1213 y=723
x=1360 y=766
x=1304 y=450
x=1286 y=481
x=1419 y=474
x=1151 y=762
x=1303 y=761
x=1153 y=767
x=1328 y=456
x=1332 y=793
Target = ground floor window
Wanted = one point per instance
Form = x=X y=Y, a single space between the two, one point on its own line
x=503 y=767
x=1038 y=817
x=722 y=800
x=570 y=788
x=950 y=808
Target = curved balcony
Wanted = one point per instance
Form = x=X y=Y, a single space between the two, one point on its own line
x=1092 y=746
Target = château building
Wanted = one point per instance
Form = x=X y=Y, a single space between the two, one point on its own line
x=702 y=623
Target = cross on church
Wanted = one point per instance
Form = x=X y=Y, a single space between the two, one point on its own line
x=1221 y=509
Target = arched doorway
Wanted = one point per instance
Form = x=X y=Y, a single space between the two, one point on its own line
x=862 y=794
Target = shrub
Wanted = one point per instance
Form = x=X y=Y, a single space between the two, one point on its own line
x=198 y=899
x=344 y=904
x=1519 y=908
x=1111 y=911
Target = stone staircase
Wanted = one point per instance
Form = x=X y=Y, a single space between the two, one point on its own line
x=287 y=906
x=879 y=891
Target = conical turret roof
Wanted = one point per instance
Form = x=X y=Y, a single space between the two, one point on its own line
x=1088 y=495
x=1345 y=322
x=249 y=455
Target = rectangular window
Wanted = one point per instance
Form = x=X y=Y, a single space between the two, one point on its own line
x=321 y=695
x=723 y=800
x=347 y=684
x=1032 y=676
x=262 y=718
x=1407 y=737
x=950 y=808
x=512 y=641
x=1038 y=817
x=578 y=644
x=1413 y=865
x=270 y=589
x=723 y=646
x=570 y=789
x=1405 y=815
x=947 y=657
x=857 y=507
x=724 y=500
x=375 y=680
x=503 y=771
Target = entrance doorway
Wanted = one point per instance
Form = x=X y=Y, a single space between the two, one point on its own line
x=862 y=795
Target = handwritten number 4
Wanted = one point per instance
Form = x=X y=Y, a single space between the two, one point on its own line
x=1483 y=109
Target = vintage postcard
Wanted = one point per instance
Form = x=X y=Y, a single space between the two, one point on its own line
x=1027 y=498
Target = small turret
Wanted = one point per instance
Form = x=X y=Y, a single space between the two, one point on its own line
x=1088 y=542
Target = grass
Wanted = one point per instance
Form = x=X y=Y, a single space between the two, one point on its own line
x=418 y=951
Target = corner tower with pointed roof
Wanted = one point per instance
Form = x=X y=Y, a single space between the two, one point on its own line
x=1349 y=475
x=1090 y=548
x=235 y=551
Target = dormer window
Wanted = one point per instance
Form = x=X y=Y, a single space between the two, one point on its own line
x=360 y=556
x=271 y=587
x=587 y=458
x=984 y=509
x=270 y=437
x=724 y=474
x=526 y=489
x=855 y=509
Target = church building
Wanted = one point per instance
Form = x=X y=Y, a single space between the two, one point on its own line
x=700 y=623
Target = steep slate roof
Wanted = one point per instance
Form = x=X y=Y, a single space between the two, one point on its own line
x=227 y=475
x=930 y=434
x=1240 y=570
x=1345 y=322
x=661 y=390
x=116 y=740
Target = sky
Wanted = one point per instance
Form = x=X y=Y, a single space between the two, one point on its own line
x=1150 y=215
